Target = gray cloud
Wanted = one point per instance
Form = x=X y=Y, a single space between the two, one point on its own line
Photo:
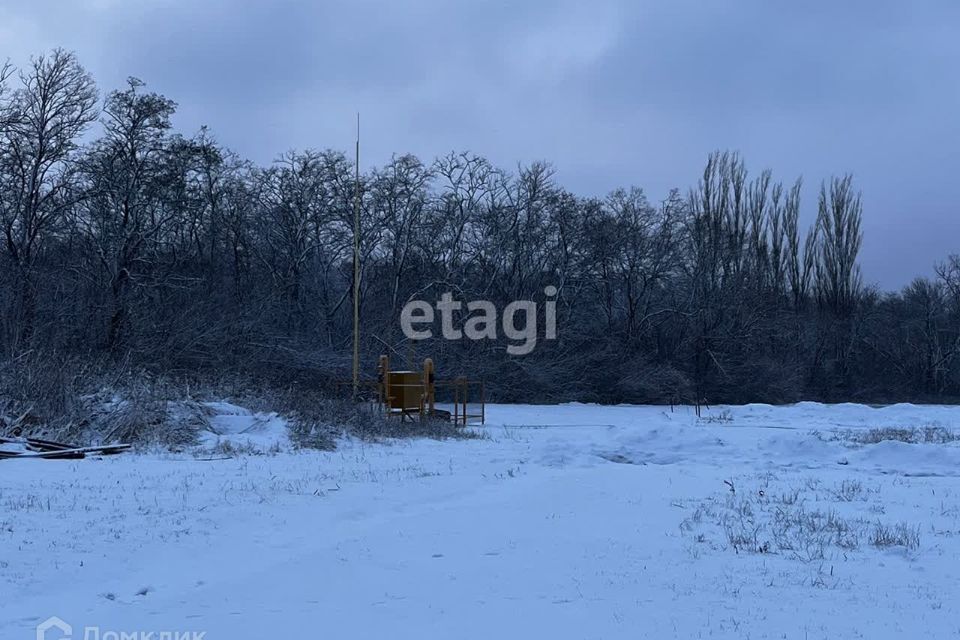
x=612 y=92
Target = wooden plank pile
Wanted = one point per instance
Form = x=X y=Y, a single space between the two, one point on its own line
x=20 y=446
x=47 y=450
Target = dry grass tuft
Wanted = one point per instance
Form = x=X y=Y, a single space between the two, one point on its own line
x=930 y=434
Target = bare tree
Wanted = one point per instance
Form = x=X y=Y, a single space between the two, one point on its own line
x=399 y=198
x=838 y=223
x=800 y=262
x=46 y=115
x=125 y=218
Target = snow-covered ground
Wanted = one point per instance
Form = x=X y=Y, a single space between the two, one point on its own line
x=573 y=521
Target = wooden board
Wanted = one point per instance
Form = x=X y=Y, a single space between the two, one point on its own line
x=68 y=454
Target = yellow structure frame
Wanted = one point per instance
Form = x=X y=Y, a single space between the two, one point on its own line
x=411 y=393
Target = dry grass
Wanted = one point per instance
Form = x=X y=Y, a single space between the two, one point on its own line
x=900 y=534
x=72 y=400
x=316 y=416
x=930 y=434
x=723 y=417
x=759 y=520
x=69 y=400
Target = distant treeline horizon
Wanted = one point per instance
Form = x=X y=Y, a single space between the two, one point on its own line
x=149 y=248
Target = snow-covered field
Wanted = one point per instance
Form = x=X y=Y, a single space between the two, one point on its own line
x=572 y=521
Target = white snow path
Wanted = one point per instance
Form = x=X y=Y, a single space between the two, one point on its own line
x=570 y=522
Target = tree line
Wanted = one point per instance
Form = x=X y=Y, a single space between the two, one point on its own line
x=124 y=240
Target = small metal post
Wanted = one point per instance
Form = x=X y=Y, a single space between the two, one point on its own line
x=483 y=404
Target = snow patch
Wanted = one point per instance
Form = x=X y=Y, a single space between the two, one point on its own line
x=235 y=427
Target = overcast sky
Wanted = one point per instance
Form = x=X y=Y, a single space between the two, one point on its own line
x=612 y=93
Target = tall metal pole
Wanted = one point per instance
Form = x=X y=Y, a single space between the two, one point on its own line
x=356 y=269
